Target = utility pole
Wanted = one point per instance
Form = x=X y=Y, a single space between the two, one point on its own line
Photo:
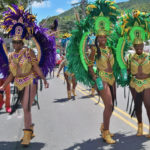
x=82 y=4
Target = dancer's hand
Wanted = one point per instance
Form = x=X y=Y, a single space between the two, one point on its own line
x=46 y=84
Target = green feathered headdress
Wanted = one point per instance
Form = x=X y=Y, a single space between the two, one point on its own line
x=100 y=16
x=134 y=21
x=102 y=25
x=137 y=35
x=104 y=13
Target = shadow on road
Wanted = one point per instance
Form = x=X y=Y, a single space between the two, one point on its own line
x=123 y=143
x=88 y=96
x=62 y=100
x=17 y=146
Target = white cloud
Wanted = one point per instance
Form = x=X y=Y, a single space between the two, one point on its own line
x=72 y=1
x=60 y=10
x=42 y=4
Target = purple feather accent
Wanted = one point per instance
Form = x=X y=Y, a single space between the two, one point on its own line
x=4 y=68
x=48 y=50
x=10 y=17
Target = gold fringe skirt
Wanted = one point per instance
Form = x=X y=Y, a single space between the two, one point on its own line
x=140 y=84
x=107 y=77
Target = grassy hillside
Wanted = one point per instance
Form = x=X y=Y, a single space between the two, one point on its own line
x=67 y=19
x=142 y=5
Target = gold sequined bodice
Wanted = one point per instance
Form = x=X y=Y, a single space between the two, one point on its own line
x=19 y=63
x=106 y=57
x=141 y=62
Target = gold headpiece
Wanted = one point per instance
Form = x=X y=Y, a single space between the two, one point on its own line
x=137 y=41
x=18 y=33
x=101 y=33
x=102 y=25
x=138 y=36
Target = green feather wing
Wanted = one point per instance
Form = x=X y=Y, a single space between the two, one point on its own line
x=120 y=47
x=75 y=53
x=82 y=50
x=76 y=60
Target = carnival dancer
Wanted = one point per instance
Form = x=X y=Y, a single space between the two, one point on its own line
x=99 y=22
x=135 y=29
x=104 y=62
x=69 y=77
x=139 y=69
x=24 y=66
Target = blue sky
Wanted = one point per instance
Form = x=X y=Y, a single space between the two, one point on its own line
x=53 y=7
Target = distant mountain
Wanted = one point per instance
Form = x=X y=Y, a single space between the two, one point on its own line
x=67 y=19
x=142 y=5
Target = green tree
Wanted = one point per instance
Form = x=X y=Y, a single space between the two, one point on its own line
x=4 y=4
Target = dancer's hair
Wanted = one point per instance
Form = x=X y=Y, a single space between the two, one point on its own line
x=98 y=49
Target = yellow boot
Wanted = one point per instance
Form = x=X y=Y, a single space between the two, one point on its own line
x=69 y=94
x=27 y=137
x=148 y=135
x=107 y=138
x=140 y=129
x=32 y=135
x=93 y=91
x=74 y=92
x=102 y=129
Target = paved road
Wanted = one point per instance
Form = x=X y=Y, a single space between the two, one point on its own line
x=72 y=125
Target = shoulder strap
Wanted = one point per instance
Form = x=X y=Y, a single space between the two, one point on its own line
x=130 y=57
x=28 y=54
x=129 y=60
x=10 y=56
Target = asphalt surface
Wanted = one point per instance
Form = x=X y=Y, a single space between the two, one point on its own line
x=63 y=124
